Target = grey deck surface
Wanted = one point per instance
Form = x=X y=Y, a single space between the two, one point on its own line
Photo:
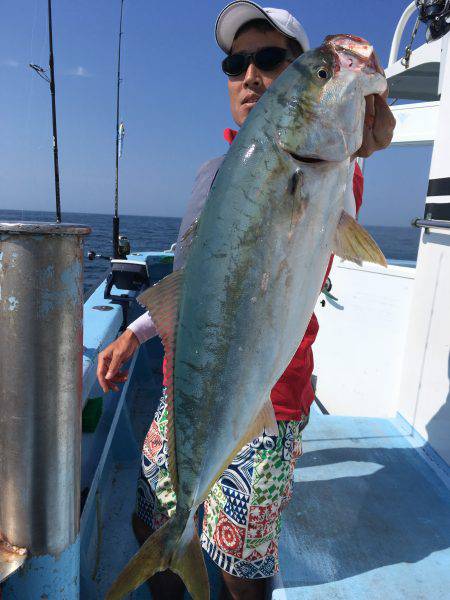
x=369 y=517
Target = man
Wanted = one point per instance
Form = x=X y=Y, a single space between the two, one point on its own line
x=242 y=513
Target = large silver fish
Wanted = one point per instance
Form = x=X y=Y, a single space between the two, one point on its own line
x=232 y=319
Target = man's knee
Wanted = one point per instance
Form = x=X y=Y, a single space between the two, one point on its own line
x=249 y=589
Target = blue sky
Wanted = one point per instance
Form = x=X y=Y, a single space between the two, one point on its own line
x=174 y=103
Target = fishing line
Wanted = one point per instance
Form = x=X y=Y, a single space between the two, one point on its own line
x=32 y=180
x=32 y=58
x=33 y=27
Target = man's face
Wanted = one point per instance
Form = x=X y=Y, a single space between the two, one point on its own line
x=247 y=88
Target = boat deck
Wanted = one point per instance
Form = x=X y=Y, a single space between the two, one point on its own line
x=370 y=514
x=369 y=518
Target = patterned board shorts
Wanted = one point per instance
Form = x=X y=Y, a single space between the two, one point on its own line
x=242 y=514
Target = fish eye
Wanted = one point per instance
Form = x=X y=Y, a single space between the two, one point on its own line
x=322 y=73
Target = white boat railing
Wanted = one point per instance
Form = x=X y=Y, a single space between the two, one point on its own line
x=410 y=10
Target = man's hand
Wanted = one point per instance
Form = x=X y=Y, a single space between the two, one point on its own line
x=379 y=125
x=379 y=122
x=112 y=358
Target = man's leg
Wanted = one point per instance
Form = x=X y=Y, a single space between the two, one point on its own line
x=155 y=500
x=244 y=589
x=242 y=514
x=164 y=585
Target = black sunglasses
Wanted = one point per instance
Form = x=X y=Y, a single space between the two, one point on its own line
x=266 y=59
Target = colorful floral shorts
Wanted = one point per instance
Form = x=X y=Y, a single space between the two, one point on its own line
x=242 y=514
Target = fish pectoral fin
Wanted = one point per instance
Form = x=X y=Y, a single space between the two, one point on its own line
x=352 y=242
x=163 y=302
x=175 y=546
x=191 y=231
x=264 y=421
x=268 y=420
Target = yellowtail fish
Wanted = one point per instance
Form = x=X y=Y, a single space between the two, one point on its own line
x=232 y=319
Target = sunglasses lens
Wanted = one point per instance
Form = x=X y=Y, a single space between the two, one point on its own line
x=234 y=64
x=268 y=59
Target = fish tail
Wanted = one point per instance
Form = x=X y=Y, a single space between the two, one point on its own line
x=175 y=546
x=188 y=562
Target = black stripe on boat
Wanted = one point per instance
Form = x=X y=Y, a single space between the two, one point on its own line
x=434 y=210
x=439 y=187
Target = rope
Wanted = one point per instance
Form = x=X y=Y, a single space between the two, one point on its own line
x=408 y=49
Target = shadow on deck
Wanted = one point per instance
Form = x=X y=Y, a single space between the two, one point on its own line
x=369 y=517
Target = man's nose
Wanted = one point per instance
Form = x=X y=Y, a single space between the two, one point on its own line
x=252 y=76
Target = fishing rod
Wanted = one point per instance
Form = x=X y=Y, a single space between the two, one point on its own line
x=121 y=245
x=51 y=80
x=119 y=130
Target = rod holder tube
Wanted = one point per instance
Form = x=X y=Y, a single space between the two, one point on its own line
x=41 y=344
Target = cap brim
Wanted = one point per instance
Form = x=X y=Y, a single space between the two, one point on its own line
x=233 y=17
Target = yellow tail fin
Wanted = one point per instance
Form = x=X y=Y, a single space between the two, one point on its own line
x=173 y=547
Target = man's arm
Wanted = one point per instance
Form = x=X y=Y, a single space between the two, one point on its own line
x=113 y=357
x=118 y=352
x=379 y=122
x=143 y=328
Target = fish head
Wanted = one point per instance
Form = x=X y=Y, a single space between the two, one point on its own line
x=322 y=95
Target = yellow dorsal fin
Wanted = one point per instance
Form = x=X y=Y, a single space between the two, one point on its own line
x=353 y=242
x=162 y=301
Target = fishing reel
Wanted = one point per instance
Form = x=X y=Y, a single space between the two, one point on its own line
x=436 y=15
x=124 y=246
x=123 y=250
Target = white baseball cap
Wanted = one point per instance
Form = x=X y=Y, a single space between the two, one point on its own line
x=236 y=14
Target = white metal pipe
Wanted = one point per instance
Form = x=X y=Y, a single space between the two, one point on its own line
x=410 y=10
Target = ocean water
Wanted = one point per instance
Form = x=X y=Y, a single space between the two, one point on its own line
x=159 y=233
x=144 y=233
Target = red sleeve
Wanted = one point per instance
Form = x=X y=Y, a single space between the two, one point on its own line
x=358 y=187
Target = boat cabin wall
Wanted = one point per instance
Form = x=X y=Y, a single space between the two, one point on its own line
x=359 y=349
x=424 y=398
x=384 y=346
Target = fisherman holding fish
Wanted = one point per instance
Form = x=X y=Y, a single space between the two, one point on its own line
x=242 y=509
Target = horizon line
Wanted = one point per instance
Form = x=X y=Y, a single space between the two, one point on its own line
x=74 y=212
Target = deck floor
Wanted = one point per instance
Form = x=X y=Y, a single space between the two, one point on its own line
x=369 y=517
